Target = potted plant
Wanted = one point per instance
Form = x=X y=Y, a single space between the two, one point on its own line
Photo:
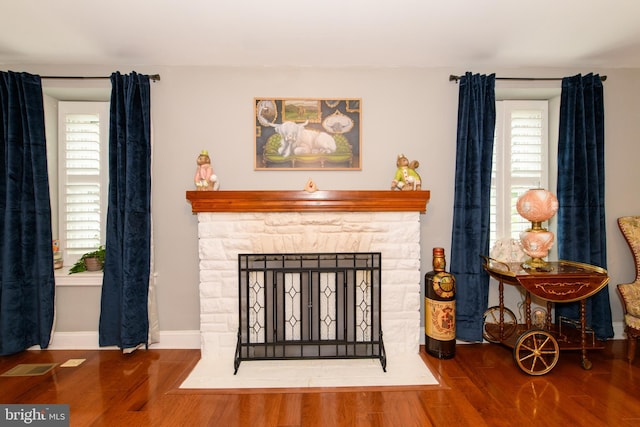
x=91 y=261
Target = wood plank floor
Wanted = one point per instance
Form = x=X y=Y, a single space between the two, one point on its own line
x=481 y=386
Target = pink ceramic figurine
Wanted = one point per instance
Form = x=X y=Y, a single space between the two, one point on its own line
x=205 y=179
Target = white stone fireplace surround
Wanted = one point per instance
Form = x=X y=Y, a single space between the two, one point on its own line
x=230 y=223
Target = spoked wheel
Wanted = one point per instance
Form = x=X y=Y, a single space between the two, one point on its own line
x=536 y=352
x=491 y=324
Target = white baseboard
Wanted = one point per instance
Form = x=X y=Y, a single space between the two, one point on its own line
x=178 y=339
x=88 y=340
x=618 y=331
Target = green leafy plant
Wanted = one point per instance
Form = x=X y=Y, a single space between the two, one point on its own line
x=81 y=266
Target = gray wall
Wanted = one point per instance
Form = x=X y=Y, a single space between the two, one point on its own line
x=404 y=110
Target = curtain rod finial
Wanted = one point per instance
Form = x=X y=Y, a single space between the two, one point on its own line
x=453 y=78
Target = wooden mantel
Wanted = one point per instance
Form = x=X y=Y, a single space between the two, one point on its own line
x=303 y=201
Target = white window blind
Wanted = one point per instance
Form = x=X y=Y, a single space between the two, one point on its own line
x=520 y=162
x=83 y=144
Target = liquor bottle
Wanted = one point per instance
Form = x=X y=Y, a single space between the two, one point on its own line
x=440 y=309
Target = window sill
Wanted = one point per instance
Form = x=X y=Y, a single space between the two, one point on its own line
x=86 y=278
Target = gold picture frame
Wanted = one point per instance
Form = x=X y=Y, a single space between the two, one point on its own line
x=308 y=134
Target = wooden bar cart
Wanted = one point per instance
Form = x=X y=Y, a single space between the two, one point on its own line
x=536 y=348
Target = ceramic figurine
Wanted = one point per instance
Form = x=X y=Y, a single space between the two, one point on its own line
x=406 y=178
x=310 y=186
x=57 y=254
x=205 y=179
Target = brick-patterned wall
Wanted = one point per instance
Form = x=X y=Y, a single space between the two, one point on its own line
x=223 y=236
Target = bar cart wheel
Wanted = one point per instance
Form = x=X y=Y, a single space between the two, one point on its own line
x=536 y=352
x=491 y=324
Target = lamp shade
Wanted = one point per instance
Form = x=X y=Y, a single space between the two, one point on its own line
x=537 y=205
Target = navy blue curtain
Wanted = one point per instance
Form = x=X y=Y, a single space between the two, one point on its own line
x=470 y=236
x=27 y=284
x=124 y=320
x=581 y=217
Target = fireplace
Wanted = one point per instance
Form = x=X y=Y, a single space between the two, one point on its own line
x=231 y=223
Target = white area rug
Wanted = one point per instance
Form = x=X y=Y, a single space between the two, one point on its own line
x=402 y=370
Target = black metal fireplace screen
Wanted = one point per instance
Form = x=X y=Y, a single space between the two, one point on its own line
x=309 y=305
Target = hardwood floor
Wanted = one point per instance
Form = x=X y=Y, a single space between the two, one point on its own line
x=481 y=386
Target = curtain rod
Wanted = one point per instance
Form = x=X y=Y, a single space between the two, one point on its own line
x=453 y=78
x=154 y=77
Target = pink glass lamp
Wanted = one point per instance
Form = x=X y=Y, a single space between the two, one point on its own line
x=537 y=205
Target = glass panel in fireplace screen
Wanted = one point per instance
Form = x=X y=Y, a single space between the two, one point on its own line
x=363 y=305
x=292 y=309
x=256 y=307
x=328 y=321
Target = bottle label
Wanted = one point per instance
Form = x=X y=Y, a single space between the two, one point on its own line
x=444 y=285
x=440 y=319
x=439 y=263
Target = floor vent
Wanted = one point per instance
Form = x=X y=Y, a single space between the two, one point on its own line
x=29 y=370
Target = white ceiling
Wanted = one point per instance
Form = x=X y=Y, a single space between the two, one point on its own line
x=323 y=33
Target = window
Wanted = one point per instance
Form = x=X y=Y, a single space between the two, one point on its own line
x=520 y=162
x=82 y=176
